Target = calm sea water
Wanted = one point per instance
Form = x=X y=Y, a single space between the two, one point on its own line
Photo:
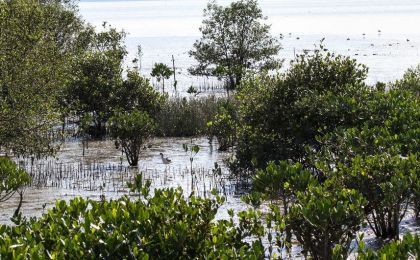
x=383 y=34
x=166 y=28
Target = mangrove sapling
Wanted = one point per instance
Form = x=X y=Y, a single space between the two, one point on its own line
x=274 y=221
x=174 y=72
x=12 y=179
x=385 y=182
x=137 y=61
x=282 y=182
x=161 y=71
x=131 y=130
x=224 y=125
x=193 y=150
x=325 y=219
x=192 y=91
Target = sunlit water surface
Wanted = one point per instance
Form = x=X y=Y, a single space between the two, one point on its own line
x=383 y=34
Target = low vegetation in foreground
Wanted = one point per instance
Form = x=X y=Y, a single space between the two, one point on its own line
x=328 y=155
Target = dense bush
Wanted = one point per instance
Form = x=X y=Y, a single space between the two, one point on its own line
x=281 y=115
x=137 y=93
x=96 y=75
x=131 y=130
x=325 y=220
x=162 y=226
x=38 y=42
x=393 y=127
x=386 y=184
x=224 y=125
x=410 y=81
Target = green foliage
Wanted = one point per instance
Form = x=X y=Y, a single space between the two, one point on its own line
x=193 y=150
x=187 y=117
x=131 y=130
x=283 y=181
x=192 y=90
x=161 y=72
x=97 y=75
x=223 y=126
x=162 y=226
x=11 y=178
x=386 y=182
x=410 y=81
x=325 y=220
x=136 y=93
x=281 y=115
x=38 y=40
x=234 y=40
x=393 y=127
x=407 y=248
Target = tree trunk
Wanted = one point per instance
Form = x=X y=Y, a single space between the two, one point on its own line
x=238 y=79
x=20 y=204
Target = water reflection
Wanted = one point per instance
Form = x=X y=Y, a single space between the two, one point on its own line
x=103 y=170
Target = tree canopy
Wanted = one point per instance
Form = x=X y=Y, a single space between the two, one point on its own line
x=282 y=114
x=38 y=41
x=234 y=40
x=97 y=74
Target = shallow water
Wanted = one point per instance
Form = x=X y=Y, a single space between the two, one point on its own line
x=170 y=27
x=103 y=170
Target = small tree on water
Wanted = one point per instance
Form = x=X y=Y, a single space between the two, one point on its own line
x=131 y=130
x=234 y=40
x=161 y=72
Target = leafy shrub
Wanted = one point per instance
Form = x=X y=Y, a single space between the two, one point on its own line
x=11 y=178
x=136 y=93
x=393 y=127
x=131 y=130
x=280 y=115
x=407 y=248
x=385 y=182
x=283 y=181
x=410 y=81
x=165 y=225
x=223 y=126
x=325 y=220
